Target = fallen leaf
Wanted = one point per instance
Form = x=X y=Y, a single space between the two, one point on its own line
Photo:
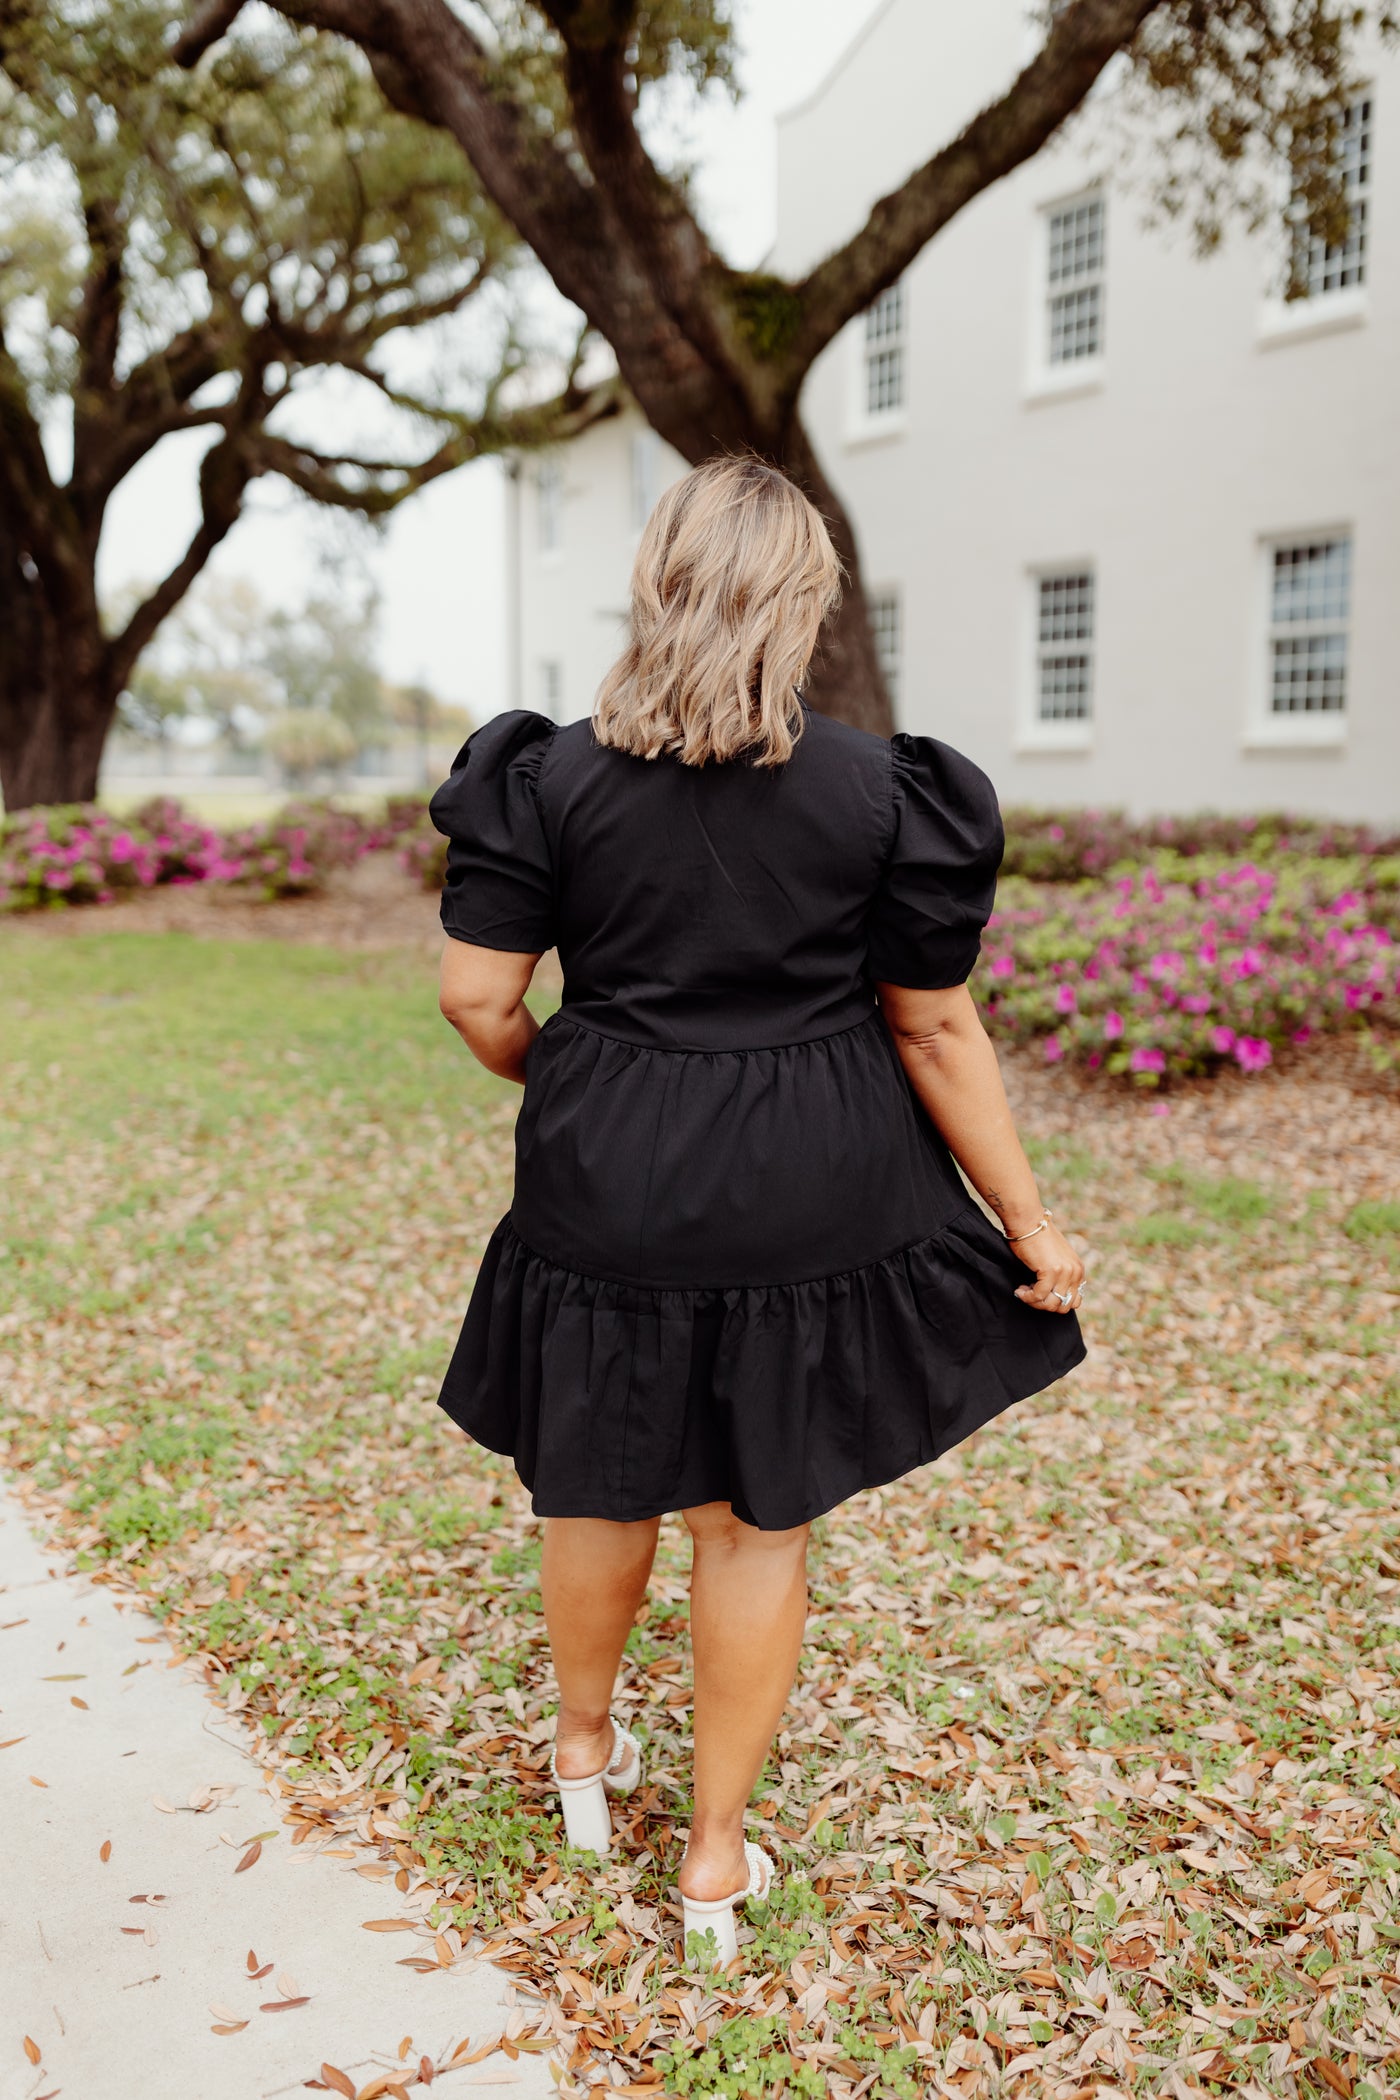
x=32 y=2050
x=337 y=2081
x=250 y=1857
x=283 y=2004
x=104 y=1850
x=37 y=1782
x=389 y=1924
x=230 y=2027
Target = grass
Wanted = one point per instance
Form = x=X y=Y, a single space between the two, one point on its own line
x=1090 y=1776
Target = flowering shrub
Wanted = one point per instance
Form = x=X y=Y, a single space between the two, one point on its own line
x=1069 y=845
x=1153 y=974
x=424 y=854
x=85 y=856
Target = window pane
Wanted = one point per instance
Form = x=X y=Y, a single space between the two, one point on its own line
x=1077 y=240
x=1312 y=581
x=1067 y=608
x=1310 y=674
x=884 y=381
x=1076 y=325
x=1321 y=266
x=1064 y=688
x=886 y=627
x=886 y=317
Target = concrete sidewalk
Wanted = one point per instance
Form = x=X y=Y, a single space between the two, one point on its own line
x=119 y=1992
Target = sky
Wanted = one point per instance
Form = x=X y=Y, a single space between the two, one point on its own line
x=440 y=566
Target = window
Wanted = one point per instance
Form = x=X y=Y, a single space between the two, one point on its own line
x=1309 y=613
x=1074 y=279
x=883 y=391
x=549 y=489
x=646 y=476
x=1318 y=266
x=886 y=625
x=551 y=688
x=1064 y=680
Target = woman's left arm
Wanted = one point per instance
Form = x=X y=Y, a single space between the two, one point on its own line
x=482 y=993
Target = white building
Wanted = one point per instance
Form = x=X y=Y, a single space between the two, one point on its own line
x=1130 y=523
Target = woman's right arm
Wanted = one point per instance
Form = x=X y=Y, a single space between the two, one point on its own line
x=953 y=1069
x=482 y=993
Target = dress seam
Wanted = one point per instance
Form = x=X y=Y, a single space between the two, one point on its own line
x=695 y=1290
x=805 y=1042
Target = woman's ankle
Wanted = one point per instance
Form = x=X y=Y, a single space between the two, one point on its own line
x=714 y=1865
x=582 y=1745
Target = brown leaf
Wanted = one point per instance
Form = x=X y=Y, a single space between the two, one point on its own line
x=1331 y=2072
x=283 y=2004
x=32 y=2050
x=10 y=1742
x=389 y=1924
x=250 y=1857
x=337 y=2081
x=104 y=1850
x=229 y=2027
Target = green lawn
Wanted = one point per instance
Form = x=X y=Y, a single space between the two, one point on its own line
x=1091 y=1770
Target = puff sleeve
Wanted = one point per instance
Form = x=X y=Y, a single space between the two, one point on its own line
x=499 y=889
x=939 y=879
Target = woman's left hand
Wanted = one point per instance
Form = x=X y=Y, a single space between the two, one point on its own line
x=1059 y=1273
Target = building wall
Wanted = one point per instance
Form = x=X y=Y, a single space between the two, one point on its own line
x=576 y=516
x=1211 y=428
x=1207 y=429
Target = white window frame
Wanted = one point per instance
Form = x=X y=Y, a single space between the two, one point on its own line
x=886 y=607
x=871 y=337
x=1323 y=312
x=1272 y=730
x=549 y=509
x=1047 y=381
x=1046 y=733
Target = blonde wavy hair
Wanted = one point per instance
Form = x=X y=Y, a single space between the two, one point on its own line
x=733 y=578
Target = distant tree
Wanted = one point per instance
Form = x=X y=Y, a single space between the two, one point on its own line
x=544 y=98
x=184 y=253
x=322 y=660
x=152 y=705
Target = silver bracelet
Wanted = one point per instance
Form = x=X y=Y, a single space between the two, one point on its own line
x=1013 y=1237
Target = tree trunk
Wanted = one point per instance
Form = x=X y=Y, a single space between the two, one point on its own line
x=56 y=696
x=846 y=679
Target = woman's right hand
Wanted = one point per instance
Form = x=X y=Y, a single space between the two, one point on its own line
x=1059 y=1273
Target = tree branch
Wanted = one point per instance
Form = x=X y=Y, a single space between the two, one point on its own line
x=224 y=474
x=317 y=473
x=1003 y=136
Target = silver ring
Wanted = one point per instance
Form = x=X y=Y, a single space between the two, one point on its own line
x=1065 y=1297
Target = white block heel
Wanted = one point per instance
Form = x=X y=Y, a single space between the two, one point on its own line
x=587 y=1817
x=718 y=1917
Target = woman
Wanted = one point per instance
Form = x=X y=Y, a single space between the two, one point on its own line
x=740 y=1277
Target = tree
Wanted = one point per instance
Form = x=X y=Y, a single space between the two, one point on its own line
x=546 y=108
x=186 y=253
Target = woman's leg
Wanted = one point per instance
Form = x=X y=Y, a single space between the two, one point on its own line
x=593 y=1576
x=748 y=1610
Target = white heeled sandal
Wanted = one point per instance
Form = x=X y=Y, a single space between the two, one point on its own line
x=718 y=1917
x=587 y=1818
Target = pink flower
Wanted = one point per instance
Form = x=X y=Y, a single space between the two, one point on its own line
x=1004 y=966
x=1160 y=1108
x=1065 y=999
x=1054 y=1049
x=1252 y=1053
x=1112 y=1026
x=1302 y=1035
x=1147 y=1059
x=1222 y=1040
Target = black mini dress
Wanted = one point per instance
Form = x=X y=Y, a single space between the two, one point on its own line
x=739 y=1265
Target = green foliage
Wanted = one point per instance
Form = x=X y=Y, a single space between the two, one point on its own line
x=1373 y=1221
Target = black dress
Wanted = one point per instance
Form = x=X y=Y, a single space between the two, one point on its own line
x=740 y=1265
